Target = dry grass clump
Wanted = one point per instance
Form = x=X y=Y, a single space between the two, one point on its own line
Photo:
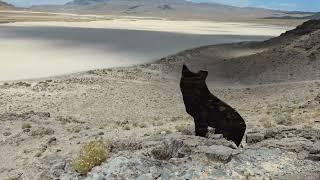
x=91 y=154
x=184 y=129
x=267 y=122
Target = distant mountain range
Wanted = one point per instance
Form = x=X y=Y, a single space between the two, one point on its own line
x=4 y=5
x=297 y=15
x=160 y=8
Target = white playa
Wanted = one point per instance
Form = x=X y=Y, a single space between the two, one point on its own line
x=41 y=49
x=176 y=26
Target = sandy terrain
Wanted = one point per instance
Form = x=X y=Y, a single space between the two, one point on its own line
x=55 y=48
x=45 y=122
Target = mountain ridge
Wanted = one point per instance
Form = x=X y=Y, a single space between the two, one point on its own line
x=4 y=5
x=161 y=8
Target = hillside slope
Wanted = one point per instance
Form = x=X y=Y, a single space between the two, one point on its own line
x=292 y=57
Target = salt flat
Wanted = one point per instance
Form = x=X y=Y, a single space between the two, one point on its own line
x=42 y=49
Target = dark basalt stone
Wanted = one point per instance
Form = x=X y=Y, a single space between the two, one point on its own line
x=207 y=110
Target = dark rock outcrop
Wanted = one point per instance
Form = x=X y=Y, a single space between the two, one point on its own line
x=208 y=110
x=304 y=142
x=190 y=157
x=306 y=28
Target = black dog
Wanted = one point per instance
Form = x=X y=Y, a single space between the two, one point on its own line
x=208 y=110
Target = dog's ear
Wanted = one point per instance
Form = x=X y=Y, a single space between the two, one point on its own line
x=186 y=72
x=204 y=74
x=185 y=69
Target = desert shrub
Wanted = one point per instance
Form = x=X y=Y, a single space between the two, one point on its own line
x=308 y=125
x=164 y=131
x=91 y=154
x=101 y=133
x=162 y=152
x=176 y=118
x=142 y=125
x=26 y=126
x=42 y=131
x=66 y=120
x=168 y=150
x=184 y=129
x=135 y=124
x=127 y=128
x=283 y=119
x=180 y=128
x=12 y=178
x=125 y=145
x=157 y=123
x=268 y=124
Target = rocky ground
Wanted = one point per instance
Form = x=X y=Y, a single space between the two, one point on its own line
x=139 y=112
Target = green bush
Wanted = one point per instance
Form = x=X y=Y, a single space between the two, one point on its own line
x=91 y=154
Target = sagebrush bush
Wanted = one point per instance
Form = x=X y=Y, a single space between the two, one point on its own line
x=91 y=154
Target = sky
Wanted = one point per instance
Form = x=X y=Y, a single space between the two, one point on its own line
x=291 y=5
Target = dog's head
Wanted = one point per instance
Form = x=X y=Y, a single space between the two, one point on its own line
x=200 y=75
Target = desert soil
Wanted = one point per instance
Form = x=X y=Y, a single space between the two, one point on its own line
x=43 y=123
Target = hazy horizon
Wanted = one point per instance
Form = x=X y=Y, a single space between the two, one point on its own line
x=288 y=5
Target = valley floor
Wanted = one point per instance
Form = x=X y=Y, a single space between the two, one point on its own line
x=43 y=123
x=42 y=49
